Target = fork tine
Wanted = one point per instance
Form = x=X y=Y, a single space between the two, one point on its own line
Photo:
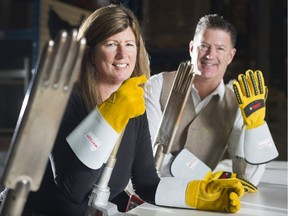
x=44 y=63
x=58 y=58
x=188 y=77
x=72 y=51
x=73 y=59
x=77 y=63
x=178 y=78
x=182 y=77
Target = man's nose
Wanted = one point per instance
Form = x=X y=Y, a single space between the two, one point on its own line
x=211 y=52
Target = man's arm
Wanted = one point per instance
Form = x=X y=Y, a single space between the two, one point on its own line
x=252 y=173
x=153 y=88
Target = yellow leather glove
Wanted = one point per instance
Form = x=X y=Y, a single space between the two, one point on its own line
x=127 y=102
x=251 y=94
x=215 y=195
x=248 y=187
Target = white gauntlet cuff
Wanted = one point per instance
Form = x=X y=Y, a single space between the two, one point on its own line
x=259 y=146
x=171 y=192
x=93 y=140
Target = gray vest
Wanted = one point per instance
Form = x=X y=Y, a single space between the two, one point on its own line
x=206 y=134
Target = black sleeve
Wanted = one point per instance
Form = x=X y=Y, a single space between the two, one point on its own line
x=71 y=176
x=144 y=176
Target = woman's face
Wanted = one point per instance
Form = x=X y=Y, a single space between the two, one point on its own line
x=115 y=57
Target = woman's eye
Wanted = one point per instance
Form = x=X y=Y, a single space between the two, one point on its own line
x=111 y=45
x=130 y=44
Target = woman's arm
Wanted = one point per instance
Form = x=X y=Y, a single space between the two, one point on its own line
x=73 y=179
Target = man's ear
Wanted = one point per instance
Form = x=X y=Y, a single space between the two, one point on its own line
x=231 y=55
x=191 y=48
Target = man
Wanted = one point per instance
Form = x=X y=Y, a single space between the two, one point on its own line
x=211 y=121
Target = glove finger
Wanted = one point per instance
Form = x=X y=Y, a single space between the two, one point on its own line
x=208 y=176
x=139 y=80
x=244 y=85
x=260 y=81
x=239 y=189
x=234 y=202
x=266 y=94
x=233 y=184
x=237 y=92
x=252 y=82
x=234 y=209
x=248 y=187
x=131 y=89
x=133 y=82
x=234 y=199
x=216 y=175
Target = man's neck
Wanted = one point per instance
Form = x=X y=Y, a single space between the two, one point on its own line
x=205 y=87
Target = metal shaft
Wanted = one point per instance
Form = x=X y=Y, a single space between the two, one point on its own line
x=172 y=113
x=15 y=199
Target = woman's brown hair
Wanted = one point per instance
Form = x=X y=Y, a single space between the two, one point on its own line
x=101 y=24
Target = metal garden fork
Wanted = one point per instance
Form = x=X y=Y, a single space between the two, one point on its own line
x=39 y=120
x=173 y=110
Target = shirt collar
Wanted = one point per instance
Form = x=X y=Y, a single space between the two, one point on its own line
x=220 y=90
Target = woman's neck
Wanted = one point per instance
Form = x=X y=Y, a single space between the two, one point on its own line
x=106 y=90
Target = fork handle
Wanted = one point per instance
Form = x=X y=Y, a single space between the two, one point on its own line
x=15 y=200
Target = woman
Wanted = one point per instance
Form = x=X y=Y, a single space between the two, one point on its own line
x=115 y=52
x=108 y=93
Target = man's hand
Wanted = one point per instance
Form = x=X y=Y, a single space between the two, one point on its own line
x=248 y=187
x=251 y=94
x=127 y=102
x=215 y=195
x=257 y=145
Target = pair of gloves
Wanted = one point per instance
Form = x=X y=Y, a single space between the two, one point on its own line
x=214 y=192
x=128 y=102
x=222 y=191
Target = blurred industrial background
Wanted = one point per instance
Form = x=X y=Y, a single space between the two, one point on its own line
x=167 y=25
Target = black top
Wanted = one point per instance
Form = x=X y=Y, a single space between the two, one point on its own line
x=66 y=192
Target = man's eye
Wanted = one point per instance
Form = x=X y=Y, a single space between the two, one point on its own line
x=203 y=47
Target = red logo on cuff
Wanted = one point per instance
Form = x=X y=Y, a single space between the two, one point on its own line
x=92 y=141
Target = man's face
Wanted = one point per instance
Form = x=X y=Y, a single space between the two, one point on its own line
x=211 y=52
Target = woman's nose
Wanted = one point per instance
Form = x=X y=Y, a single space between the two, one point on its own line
x=121 y=52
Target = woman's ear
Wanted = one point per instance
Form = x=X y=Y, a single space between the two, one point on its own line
x=92 y=57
